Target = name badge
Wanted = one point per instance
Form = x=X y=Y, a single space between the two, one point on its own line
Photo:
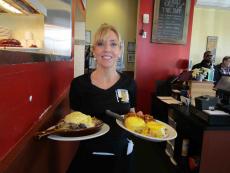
x=122 y=95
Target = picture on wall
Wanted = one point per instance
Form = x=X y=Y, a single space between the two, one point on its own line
x=131 y=57
x=212 y=45
x=131 y=47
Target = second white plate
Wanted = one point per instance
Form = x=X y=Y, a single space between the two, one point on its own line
x=171 y=132
x=104 y=129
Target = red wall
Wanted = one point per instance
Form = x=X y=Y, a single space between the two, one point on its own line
x=45 y=82
x=20 y=119
x=156 y=61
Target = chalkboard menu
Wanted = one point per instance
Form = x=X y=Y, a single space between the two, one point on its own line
x=170 y=21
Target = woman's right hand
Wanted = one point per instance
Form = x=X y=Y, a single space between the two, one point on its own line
x=140 y=113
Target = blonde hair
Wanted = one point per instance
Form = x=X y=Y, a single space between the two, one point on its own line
x=103 y=31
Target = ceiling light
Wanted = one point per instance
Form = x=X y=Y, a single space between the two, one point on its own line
x=9 y=7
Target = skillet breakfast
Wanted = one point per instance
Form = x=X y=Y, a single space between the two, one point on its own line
x=73 y=122
x=145 y=125
x=79 y=119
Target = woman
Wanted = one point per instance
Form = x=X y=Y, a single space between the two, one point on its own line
x=92 y=94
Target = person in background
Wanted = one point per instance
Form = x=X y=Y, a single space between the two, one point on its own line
x=206 y=62
x=222 y=69
x=100 y=90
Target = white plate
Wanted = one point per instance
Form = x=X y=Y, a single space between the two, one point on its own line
x=171 y=132
x=104 y=129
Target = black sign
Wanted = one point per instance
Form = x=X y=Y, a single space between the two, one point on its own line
x=170 y=21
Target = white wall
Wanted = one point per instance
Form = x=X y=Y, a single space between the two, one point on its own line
x=210 y=22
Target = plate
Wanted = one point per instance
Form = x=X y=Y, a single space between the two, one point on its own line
x=171 y=132
x=103 y=130
x=80 y=131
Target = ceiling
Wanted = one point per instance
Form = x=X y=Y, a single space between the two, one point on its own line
x=24 y=6
x=224 y=4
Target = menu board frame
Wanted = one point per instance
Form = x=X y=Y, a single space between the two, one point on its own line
x=170 y=21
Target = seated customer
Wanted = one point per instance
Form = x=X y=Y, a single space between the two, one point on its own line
x=222 y=69
x=206 y=62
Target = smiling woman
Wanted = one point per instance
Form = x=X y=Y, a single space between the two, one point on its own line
x=93 y=94
x=107 y=48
